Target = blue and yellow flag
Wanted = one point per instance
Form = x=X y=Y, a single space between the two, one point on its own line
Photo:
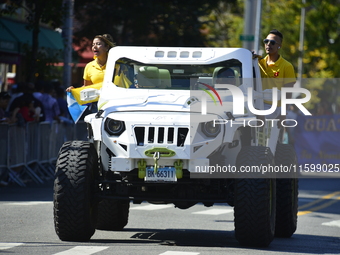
x=75 y=109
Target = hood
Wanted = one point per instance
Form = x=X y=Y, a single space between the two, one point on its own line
x=121 y=99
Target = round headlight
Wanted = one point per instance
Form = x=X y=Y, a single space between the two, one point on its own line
x=211 y=129
x=114 y=127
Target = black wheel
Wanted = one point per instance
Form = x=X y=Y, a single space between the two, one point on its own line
x=112 y=214
x=287 y=193
x=75 y=205
x=255 y=200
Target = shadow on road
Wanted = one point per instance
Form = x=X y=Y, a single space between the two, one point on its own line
x=306 y=244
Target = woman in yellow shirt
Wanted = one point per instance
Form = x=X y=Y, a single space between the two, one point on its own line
x=95 y=70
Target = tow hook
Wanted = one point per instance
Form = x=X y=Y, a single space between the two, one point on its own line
x=156 y=157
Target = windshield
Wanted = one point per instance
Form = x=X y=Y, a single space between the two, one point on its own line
x=136 y=75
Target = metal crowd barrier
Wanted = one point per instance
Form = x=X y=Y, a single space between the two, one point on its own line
x=30 y=152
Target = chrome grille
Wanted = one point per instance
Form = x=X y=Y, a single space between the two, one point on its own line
x=160 y=135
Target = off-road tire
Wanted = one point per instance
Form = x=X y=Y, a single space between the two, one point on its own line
x=255 y=200
x=112 y=214
x=75 y=205
x=286 y=193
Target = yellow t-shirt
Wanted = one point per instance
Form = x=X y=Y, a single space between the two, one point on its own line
x=93 y=72
x=276 y=75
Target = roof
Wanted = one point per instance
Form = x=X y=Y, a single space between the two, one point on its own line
x=183 y=55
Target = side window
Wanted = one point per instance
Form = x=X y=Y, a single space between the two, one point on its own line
x=227 y=74
x=153 y=77
x=123 y=76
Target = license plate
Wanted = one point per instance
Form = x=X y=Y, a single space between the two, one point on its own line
x=164 y=174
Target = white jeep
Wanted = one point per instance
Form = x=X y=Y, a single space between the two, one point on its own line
x=170 y=129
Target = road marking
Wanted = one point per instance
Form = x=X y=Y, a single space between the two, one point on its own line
x=335 y=223
x=319 y=200
x=305 y=199
x=29 y=203
x=215 y=211
x=82 y=250
x=179 y=253
x=5 y=246
x=151 y=207
x=319 y=207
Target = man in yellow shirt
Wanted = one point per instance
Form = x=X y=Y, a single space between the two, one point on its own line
x=275 y=70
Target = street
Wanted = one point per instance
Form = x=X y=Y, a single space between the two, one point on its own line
x=26 y=226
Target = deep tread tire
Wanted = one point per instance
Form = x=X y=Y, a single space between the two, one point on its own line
x=75 y=206
x=255 y=201
x=112 y=214
x=287 y=193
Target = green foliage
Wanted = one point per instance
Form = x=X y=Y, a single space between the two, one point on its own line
x=152 y=23
x=224 y=24
x=321 y=55
x=321 y=58
x=321 y=45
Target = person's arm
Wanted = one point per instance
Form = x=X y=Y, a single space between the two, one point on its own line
x=69 y=89
x=87 y=83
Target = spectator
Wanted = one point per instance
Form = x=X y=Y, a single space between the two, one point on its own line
x=16 y=91
x=64 y=113
x=26 y=110
x=38 y=89
x=49 y=103
x=4 y=101
x=26 y=107
x=324 y=108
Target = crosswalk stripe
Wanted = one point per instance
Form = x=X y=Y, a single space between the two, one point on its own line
x=179 y=253
x=151 y=207
x=5 y=246
x=30 y=203
x=215 y=211
x=334 y=223
x=82 y=250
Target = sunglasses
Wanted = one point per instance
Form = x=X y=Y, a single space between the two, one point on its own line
x=272 y=42
x=226 y=77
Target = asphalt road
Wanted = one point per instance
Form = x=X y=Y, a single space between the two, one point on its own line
x=26 y=226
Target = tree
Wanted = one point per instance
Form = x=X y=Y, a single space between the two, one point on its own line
x=38 y=11
x=224 y=24
x=152 y=23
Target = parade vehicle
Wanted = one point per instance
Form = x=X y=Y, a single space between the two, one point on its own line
x=168 y=131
